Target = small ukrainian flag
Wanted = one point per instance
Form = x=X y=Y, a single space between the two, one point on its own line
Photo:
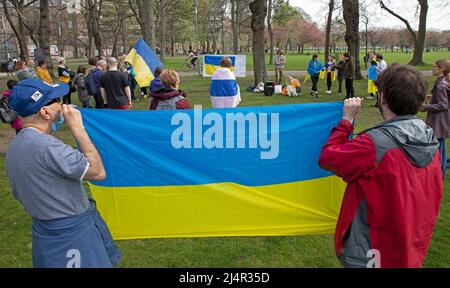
x=212 y=63
x=144 y=62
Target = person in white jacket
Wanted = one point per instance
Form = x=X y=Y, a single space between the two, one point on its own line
x=224 y=88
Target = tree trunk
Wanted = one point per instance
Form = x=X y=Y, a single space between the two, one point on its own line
x=421 y=35
x=162 y=27
x=44 y=33
x=18 y=32
x=259 y=11
x=235 y=24
x=269 y=27
x=146 y=17
x=93 y=20
x=351 y=18
x=328 y=29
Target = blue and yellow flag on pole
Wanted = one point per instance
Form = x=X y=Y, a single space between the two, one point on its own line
x=144 y=62
x=250 y=171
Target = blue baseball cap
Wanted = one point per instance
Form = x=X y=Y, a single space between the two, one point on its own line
x=30 y=95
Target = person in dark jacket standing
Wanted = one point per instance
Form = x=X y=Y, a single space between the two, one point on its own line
x=65 y=76
x=349 y=68
x=393 y=175
x=438 y=116
x=341 y=73
x=92 y=81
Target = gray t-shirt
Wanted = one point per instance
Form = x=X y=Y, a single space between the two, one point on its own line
x=279 y=61
x=46 y=175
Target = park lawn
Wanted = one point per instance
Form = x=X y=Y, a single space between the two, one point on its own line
x=283 y=251
x=296 y=62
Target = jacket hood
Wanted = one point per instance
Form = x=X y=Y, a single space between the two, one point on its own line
x=413 y=136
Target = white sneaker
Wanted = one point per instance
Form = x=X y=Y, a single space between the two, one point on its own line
x=370 y=97
x=328 y=92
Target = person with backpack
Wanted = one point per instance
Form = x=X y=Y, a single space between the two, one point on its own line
x=15 y=123
x=79 y=83
x=92 y=82
x=170 y=97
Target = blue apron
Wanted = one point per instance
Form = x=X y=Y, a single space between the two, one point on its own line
x=80 y=241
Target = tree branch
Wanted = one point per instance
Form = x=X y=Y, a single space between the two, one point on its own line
x=408 y=26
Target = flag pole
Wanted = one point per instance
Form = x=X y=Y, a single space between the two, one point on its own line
x=196 y=33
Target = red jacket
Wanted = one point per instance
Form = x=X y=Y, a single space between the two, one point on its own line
x=393 y=194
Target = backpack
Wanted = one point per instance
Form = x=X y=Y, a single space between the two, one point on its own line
x=89 y=83
x=7 y=115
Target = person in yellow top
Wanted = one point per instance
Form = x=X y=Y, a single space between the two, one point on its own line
x=64 y=76
x=43 y=74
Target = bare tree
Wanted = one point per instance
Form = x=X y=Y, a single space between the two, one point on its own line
x=419 y=37
x=44 y=32
x=93 y=20
x=259 y=11
x=351 y=18
x=144 y=16
x=19 y=27
x=269 y=28
x=328 y=29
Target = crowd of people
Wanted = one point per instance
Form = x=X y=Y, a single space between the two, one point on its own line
x=394 y=170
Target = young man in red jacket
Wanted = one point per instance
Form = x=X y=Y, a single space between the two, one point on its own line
x=394 y=178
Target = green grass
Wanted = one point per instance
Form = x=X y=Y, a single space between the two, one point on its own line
x=299 y=62
x=292 y=251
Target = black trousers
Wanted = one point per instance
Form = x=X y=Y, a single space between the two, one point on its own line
x=99 y=103
x=349 y=88
x=340 y=80
x=314 y=79
x=329 y=83
x=67 y=98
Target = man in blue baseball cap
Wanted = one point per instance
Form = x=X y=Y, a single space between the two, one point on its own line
x=46 y=178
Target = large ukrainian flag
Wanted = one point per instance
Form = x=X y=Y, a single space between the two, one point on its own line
x=144 y=62
x=153 y=189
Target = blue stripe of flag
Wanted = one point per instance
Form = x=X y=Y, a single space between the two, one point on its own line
x=223 y=88
x=148 y=55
